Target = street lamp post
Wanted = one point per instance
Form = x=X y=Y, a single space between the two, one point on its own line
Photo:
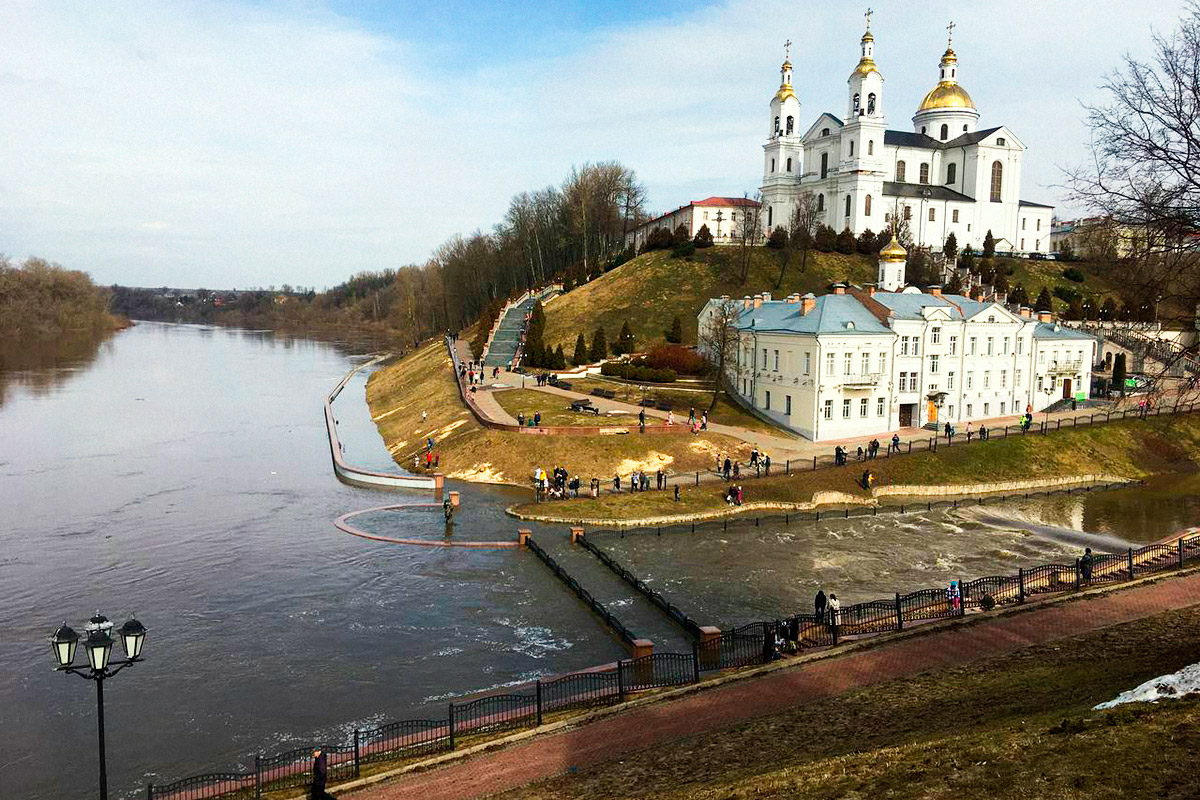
x=98 y=643
x=1049 y=390
x=925 y=195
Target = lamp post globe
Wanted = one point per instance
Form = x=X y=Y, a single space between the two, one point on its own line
x=63 y=643
x=133 y=636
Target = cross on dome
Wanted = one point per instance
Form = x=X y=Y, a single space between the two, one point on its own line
x=868 y=16
x=787 y=50
x=950 y=33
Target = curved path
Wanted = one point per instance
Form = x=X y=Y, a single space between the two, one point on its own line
x=777 y=688
x=342 y=523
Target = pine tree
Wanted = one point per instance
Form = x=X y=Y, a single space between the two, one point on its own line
x=1000 y=283
x=599 y=349
x=989 y=245
x=950 y=249
x=865 y=243
x=1019 y=296
x=845 y=242
x=625 y=342
x=675 y=335
x=581 y=352
x=681 y=236
x=1044 y=302
x=955 y=286
x=559 y=361
x=826 y=239
x=704 y=237
x=778 y=239
x=1075 y=309
x=1108 y=311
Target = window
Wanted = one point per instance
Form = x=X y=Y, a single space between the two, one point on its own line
x=791 y=125
x=849 y=357
x=828 y=409
x=847 y=205
x=871 y=144
x=916 y=346
x=777 y=125
x=1020 y=345
x=950 y=380
x=903 y=345
x=986 y=410
x=945 y=132
x=856 y=102
x=987 y=379
x=767 y=404
x=883 y=363
x=971 y=351
x=1022 y=242
x=1003 y=379
x=904 y=381
x=1039 y=225
x=820 y=202
x=951 y=173
x=770 y=215
x=787 y=404
x=1041 y=356
x=990 y=343
x=867 y=207
x=772 y=170
x=951 y=412
x=1003 y=406
x=777 y=361
x=864 y=406
x=764 y=361
x=789 y=165
x=825 y=164
x=829 y=363
x=924 y=177
x=931 y=215
x=997 y=180
x=824 y=131
x=852 y=148
x=807 y=362
x=935 y=336
x=923 y=129
x=866 y=363
x=900 y=172
x=953 y=345
x=970 y=380
x=1017 y=378
x=846 y=409
x=933 y=365
x=969 y=409
x=1000 y=142
x=1037 y=244
x=908 y=212
x=954 y=215
x=1004 y=342
x=871 y=103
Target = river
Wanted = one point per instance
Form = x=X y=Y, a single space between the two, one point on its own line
x=182 y=474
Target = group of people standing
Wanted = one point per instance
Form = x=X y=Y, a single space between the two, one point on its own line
x=558 y=484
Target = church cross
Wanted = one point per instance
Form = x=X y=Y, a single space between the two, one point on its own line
x=950 y=33
x=868 y=16
x=787 y=50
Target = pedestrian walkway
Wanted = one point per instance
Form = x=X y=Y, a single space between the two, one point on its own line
x=507 y=337
x=653 y=725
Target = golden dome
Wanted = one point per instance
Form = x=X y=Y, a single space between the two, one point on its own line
x=785 y=91
x=947 y=94
x=949 y=57
x=865 y=67
x=893 y=251
x=867 y=37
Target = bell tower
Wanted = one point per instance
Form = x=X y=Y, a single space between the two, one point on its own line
x=783 y=152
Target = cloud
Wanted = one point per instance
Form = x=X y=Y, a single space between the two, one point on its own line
x=229 y=145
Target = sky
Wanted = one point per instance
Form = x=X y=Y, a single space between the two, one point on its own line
x=241 y=144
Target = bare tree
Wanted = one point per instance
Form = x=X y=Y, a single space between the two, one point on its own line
x=802 y=227
x=718 y=339
x=749 y=233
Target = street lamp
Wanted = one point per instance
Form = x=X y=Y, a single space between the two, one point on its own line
x=925 y=195
x=98 y=643
x=1049 y=390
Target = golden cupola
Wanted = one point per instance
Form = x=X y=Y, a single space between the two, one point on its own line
x=947 y=111
x=785 y=85
x=893 y=251
x=947 y=94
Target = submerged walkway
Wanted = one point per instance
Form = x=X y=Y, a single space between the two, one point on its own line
x=778 y=690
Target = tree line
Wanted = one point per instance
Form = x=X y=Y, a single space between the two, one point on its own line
x=41 y=300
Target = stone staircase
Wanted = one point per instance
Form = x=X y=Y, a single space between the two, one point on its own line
x=1178 y=361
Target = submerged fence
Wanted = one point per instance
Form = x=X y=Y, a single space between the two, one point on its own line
x=754 y=643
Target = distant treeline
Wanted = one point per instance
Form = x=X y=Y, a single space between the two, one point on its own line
x=40 y=300
x=571 y=233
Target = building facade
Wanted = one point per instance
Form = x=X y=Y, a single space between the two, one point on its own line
x=944 y=176
x=722 y=215
x=863 y=362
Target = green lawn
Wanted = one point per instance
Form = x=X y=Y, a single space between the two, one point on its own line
x=555 y=410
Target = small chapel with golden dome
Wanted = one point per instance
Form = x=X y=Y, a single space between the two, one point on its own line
x=946 y=175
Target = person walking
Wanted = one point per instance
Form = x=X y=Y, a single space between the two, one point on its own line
x=737 y=472
x=983 y=433
x=642 y=420
x=1085 y=566
x=320 y=770
x=691 y=415
x=677 y=493
x=819 y=605
x=835 y=611
x=670 y=417
x=896 y=442
x=728 y=467
x=969 y=431
x=949 y=431
x=704 y=421
x=766 y=464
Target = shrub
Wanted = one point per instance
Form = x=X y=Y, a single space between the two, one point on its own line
x=659 y=239
x=1067 y=294
x=826 y=239
x=989 y=245
x=557 y=360
x=950 y=248
x=682 y=235
x=1044 y=303
x=685 y=250
x=866 y=243
x=675 y=335
x=704 y=237
x=778 y=239
x=846 y=242
x=987 y=602
x=1073 y=274
x=630 y=372
x=625 y=342
x=681 y=360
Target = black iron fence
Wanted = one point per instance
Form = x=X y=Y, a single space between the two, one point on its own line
x=598 y=608
x=754 y=643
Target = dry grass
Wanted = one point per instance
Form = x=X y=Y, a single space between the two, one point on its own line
x=1132 y=449
x=989 y=730
x=651 y=289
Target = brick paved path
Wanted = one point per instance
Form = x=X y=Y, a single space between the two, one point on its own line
x=608 y=739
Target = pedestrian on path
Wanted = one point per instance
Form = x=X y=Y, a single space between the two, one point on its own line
x=691 y=415
x=819 y=605
x=670 y=417
x=873 y=449
x=766 y=464
x=895 y=442
x=320 y=769
x=737 y=472
x=728 y=467
x=617 y=483
x=949 y=431
x=704 y=421
x=984 y=433
x=642 y=420
x=662 y=479
x=677 y=493
x=860 y=456
x=1085 y=566
x=969 y=431
x=835 y=611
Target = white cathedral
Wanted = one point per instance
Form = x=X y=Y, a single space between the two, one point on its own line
x=944 y=176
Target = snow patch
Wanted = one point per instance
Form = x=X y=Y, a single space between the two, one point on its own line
x=1177 y=684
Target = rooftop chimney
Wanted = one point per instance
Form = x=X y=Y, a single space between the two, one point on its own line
x=758 y=301
x=1045 y=316
x=936 y=291
x=807 y=303
x=794 y=299
x=839 y=288
x=871 y=290
x=1025 y=312
x=766 y=296
x=747 y=302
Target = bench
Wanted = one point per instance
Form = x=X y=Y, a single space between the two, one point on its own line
x=597 y=393
x=563 y=385
x=663 y=406
x=608 y=394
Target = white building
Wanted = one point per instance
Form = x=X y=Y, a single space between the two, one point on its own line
x=722 y=215
x=946 y=175
x=862 y=362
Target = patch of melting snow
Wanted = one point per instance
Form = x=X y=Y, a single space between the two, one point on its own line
x=1177 y=684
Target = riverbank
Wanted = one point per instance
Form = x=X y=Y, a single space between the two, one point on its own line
x=416 y=398
x=1127 y=450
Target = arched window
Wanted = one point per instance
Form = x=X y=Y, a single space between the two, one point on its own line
x=900 y=172
x=908 y=212
x=847 y=205
x=951 y=172
x=923 y=130
x=870 y=147
x=867 y=206
x=820 y=202
x=824 y=164
x=770 y=209
x=871 y=103
x=852 y=148
x=824 y=131
x=945 y=131
x=777 y=124
x=789 y=165
x=856 y=102
x=924 y=177
x=964 y=128
x=791 y=125
x=997 y=180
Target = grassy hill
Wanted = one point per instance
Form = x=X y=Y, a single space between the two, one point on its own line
x=651 y=289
